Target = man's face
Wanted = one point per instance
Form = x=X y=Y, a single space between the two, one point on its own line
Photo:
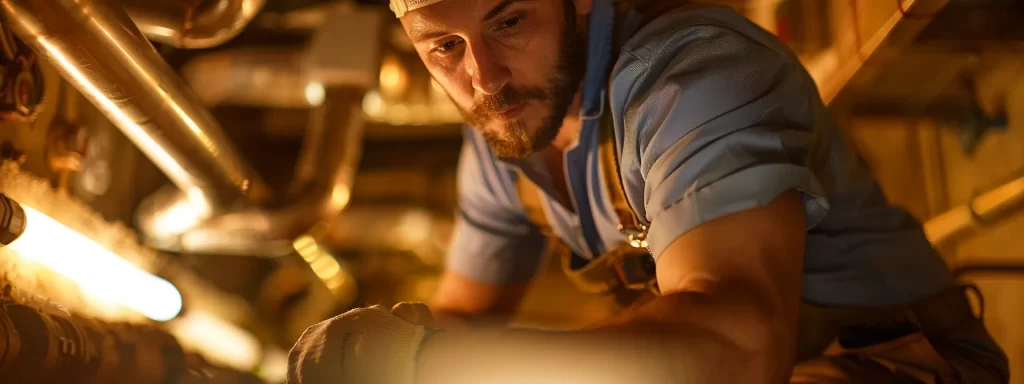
x=511 y=66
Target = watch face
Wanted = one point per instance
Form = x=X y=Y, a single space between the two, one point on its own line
x=21 y=79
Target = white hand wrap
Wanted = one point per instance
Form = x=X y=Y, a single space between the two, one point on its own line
x=364 y=345
x=400 y=7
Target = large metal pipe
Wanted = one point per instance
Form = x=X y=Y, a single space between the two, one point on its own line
x=324 y=173
x=97 y=49
x=193 y=24
x=322 y=187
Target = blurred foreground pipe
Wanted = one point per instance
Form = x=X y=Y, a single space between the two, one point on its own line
x=55 y=347
x=987 y=208
x=51 y=346
x=96 y=48
x=193 y=24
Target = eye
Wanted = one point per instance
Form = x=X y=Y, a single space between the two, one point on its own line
x=510 y=23
x=447 y=46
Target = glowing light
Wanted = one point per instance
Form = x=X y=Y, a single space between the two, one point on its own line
x=335 y=284
x=414 y=228
x=327 y=268
x=183 y=214
x=340 y=195
x=95 y=269
x=323 y=264
x=217 y=340
x=177 y=219
x=315 y=93
x=373 y=105
x=393 y=78
x=275 y=366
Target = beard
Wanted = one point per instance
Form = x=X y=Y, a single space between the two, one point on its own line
x=514 y=140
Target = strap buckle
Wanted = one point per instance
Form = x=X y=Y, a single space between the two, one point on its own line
x=636 y=271
x=637 y=238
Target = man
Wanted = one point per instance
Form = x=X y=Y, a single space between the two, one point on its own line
x=745 y=197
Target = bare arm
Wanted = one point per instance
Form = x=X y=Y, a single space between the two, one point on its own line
x=728 y=302
x=461 y=300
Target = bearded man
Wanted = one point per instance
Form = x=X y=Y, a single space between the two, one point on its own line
x=684 y=161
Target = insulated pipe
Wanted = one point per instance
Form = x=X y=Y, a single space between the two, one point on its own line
x=193 y=24
x=46 y=346
x=96 y=47
x=49 y=346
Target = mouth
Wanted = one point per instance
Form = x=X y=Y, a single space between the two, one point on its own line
x=511 y=113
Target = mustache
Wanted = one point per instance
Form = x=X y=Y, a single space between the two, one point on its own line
x=505 y=99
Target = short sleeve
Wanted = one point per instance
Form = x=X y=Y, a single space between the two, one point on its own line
x=713 y=123
x=493 y=241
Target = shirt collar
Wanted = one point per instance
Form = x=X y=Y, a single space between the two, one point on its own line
x=599 y=53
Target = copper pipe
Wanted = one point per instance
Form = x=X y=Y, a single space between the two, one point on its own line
x=98 y=50
x=192 y=24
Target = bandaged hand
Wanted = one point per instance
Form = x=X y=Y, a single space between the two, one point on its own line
x=364 y=345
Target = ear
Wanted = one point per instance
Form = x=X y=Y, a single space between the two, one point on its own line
x=583 y=6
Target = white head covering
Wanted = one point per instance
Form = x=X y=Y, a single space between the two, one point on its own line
x=400 y=7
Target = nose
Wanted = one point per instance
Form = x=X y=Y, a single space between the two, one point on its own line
x=488 y=73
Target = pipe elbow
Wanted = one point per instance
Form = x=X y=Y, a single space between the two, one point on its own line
x=188 y=29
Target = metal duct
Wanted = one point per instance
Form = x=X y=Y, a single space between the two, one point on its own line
x=254 y=77
x=322 y=187
x=97 y=49
x=194 y=24
x=325 y=170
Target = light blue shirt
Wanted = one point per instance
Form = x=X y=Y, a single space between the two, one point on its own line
x=713 y=115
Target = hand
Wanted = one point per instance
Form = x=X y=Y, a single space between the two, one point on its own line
x=364 y=345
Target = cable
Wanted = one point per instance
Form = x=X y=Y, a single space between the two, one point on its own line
x=903 y=11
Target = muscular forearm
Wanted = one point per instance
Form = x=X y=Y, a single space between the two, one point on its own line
x=684 y=337
x=453 y=317
x=521 y=356
x=461 y=301
x=729 y=315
